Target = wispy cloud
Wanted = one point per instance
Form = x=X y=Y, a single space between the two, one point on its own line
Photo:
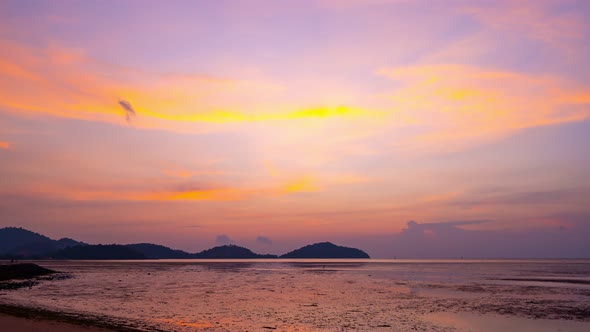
x=186 y=174
x=68 y=83
x=461 y=105
x=412 y=225
x=545 y=21
x=189 y=191
x=524 y=198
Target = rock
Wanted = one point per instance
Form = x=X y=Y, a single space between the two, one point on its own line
x=22 y=271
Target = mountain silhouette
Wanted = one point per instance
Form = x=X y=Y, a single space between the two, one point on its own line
x=230 y=251
x=19 y=242
x=325 y=250
x=156 y=251
x=98 y=251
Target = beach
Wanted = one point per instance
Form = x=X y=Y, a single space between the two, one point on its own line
x=22 y=318
x=18 y=324
x=308 y=295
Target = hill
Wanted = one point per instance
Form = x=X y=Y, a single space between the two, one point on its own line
x=326 y=250
x=19 y=242
x=156 y=251
x=98 y=251
x=230 y=251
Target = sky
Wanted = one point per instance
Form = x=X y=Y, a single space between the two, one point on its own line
x=410 y=129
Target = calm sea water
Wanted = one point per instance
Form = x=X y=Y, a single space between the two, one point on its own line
x=322 y=295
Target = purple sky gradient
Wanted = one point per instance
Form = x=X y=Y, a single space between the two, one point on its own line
x=274 y=124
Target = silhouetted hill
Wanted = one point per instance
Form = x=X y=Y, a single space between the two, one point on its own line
x=156 y=251
x=325 y=250
x=230 y=251
x=67 y=242
x=98 y=251
x=19 y=242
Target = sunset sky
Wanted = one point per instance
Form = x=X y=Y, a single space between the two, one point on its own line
x=405 y=128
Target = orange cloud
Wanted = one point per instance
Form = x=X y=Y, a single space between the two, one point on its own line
x=5 y=145
x=185 y=174
x=441 y=197
x=222 y=194
x=303 y=184
x=537 y=20
x=461 y=105
x=113 y=192
x=66 y=83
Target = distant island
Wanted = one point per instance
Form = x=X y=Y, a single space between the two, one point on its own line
x=230 y=251
x=19 y=243
x=326 y=250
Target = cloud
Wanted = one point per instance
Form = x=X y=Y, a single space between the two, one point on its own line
x=460 y=105
x=412 y=225
x=538 y=20
x=263 y=240
x=140 y=190
x=129 y=111
x=544 y=198
x=447 y=240
x=301 y=184
x=223 y=240
x=5 y=145
x=186 y=174
x=415 y=229
x=67 y=83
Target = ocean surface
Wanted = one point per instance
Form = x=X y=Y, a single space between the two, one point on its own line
x=320 y=295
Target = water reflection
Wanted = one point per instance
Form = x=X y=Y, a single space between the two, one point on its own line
x=332 y=266
x=226 y=267
x=483 y=323
x=331 y=295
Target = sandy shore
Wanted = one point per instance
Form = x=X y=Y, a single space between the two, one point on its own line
x=18 y=318
x=19 y=324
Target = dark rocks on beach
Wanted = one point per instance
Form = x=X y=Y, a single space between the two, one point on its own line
x=11 y=285
x=9 y=274
x=22 y=271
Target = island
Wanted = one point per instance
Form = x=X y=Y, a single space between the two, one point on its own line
x=326 y=250
x=18 y=243
x=229 y=252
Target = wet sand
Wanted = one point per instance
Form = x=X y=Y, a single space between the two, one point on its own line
x=21 y=318
x=18 y=324
x=191 y=296
x=491 y=323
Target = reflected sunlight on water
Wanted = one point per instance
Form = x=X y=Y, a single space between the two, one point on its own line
x=305 y=295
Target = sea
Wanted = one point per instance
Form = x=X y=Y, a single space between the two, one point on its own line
x=319 y=295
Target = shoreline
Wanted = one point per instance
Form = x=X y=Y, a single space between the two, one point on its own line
x=151 y=297
x=18 y=324
x=21 y=318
